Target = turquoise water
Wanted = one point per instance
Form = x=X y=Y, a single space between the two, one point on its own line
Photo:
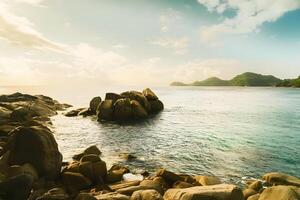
x=229 y=132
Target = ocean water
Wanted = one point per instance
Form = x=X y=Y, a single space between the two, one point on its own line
x=230 y=132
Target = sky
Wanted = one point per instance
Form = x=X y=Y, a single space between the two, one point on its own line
x=146 y=42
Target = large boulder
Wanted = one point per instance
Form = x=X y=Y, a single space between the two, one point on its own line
x=75 y=181
x=139 y=97
x=276 y=178
x=122 y=109
x=156 y=106
x=149 y=94
x=169 y=176
x=280 y=193
x=17 y=187
x=105 y=110
x=207 y=180
x=112 y=96
x=94 y=103
x=216 y=192
x=22 y=114
x=35 y=145
x=146 y=195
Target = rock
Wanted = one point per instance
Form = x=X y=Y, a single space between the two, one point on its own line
x=162 y=182
x=35 y=145
x=276 y=178
x=90 y=158
x=218 y=192
x=75 y=181
x=122 y=185
x=85 y=196
x=94 y=103
x=17 y=187
x=22 y=114
x=74 y=113
x=152 y=184
x=168 y=176
x=122 y=109
x=254 y=197
x=99 y=169
x=55 y=194
x=279 y=193
x=129 y=190
x=249 y=192
x=115 y=173
x=137 y=96
x=256 y=185
x=146 y=195
x=90 y=150
x=149 y=94
x=112 y=196
x=86 y=169
x=138 y=112
x=5 y=113
x=27 y=168
x=86 y=112
x=156 y=106
x=207 y=180
x=181 y=184
x=112 y=96
x=105 y=110
x=127 y=156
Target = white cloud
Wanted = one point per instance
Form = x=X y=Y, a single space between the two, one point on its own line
x=119 y=46
x=250 y=15
x=20 y=31
x=178 y=45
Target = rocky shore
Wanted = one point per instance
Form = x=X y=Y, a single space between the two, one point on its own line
x=31 y=166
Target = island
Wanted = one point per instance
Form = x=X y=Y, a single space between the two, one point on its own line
x=249 y=79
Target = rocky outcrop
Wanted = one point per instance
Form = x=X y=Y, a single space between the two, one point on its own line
x=128 y=106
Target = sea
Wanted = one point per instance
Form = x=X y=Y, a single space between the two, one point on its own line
x=235 y=133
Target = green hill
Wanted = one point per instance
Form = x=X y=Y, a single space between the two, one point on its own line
x=290 y=83
x=245 y=79
x=213 y=81
x=253 y=79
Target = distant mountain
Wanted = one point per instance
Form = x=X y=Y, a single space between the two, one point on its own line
x=178 y=84
x=290 y=83
x=253 y=79
x=245 y=79
x=213 y=81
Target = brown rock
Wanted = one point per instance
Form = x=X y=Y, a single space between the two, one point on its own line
x=181 y=184
x=207 y=180
x=249 y=192
x=94 y=103
x=105 y=110
x=279 y=193
x=168 y=176
x=149 y=94
x=75 y=181
x=276 y=178
x=146 y=195
x=35 y=145
x=218 y=192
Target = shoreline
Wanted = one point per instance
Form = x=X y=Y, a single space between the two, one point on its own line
x=88 y=176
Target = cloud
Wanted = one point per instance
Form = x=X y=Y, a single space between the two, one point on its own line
x=250 y=15
x=204 y=68
x=32 y=2
x=167 y=19
x=178 y=45
x=20 y=31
